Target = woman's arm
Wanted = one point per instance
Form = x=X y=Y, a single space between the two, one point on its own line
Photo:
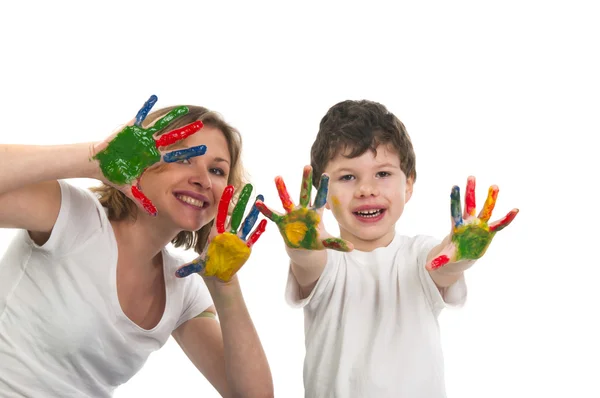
x=230 y=357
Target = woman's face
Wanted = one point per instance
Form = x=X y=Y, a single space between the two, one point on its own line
x=188 y=192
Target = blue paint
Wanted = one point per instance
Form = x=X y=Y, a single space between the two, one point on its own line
x=184 y=154
x=251 y=219
x=321 y=198
x=194 y=267
x=143 y=112
x=455 y=207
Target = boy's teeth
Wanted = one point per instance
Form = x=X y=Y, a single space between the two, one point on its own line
x=192 y=201
x=369 y=213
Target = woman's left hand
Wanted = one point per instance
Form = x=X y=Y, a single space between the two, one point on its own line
x=227 y=252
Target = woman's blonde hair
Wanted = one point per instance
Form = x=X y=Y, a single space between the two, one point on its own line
x=120 y=207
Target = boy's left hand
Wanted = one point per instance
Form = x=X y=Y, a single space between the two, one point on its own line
x=228 y=251
x=471 y=235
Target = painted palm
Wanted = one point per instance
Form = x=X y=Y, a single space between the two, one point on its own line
x=134 y=149
x=471 y=235
x=301 y=226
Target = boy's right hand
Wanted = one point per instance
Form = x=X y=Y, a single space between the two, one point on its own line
x=302 y=226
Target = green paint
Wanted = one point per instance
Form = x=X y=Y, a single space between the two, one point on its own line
x=133 y=150
x=168 y=118
x=127 y=155
x=299 y=229
x=306 y=187
x=336 y=244
x=238 y=211
x=472 y=240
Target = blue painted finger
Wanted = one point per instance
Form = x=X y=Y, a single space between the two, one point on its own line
x=144 y=110
x=184 y=154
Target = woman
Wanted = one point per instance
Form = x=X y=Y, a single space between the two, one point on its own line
x=87 y=288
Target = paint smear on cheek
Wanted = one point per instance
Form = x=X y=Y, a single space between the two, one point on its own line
x=335 y=202
x=226 y=255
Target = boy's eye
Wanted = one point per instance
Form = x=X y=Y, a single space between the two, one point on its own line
x=347 y=177
x=184 y=161
x=383 y=174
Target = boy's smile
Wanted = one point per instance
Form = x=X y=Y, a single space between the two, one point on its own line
x=367 y=196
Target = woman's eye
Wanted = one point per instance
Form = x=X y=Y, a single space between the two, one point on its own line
x=184 y=161
x=217 y=171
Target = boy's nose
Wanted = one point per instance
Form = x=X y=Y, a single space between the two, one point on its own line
x=367 y=190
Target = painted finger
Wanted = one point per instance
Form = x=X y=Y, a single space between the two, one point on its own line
x=184 y=154
x=168 y=118
x=306 y=186
x=490 y=202
x=337 y=244
x=504 y=222
x=446 y=256
x=470 y=198
x=144 y=110
x=257 y=233
x=455 y=208
x=192 y=268
x=238 y=210
x=143 y=200
x=251 y=218
x=224 y=208
x=321 y=197
x=179 y=134
x=284 y=195
x=270 y=214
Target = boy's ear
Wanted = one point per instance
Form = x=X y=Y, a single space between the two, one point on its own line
x=409 y=189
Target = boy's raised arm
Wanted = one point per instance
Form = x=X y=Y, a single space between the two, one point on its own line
x=469 y=238
x=302 y=229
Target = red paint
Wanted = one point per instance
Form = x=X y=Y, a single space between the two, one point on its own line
x=223 y=208
x=440 y=261
x=264 y=209
x=286 y=201
x=503 y=223
x=470 y=197
x=179 y=134
x=257 y=233
x=143 y=199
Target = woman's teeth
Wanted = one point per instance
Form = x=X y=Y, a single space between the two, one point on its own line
x=191 y=201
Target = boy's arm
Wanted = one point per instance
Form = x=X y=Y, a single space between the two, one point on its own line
x=307 y=267
x=470 y=236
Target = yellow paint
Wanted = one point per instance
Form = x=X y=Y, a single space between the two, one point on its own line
x=335 y=201
x=295 y=232
x=226 y=255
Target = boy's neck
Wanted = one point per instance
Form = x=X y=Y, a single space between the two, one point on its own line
x=368 y=245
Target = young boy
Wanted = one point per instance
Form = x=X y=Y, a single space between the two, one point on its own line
x=371 y=299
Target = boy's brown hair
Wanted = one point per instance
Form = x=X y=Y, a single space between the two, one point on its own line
x=353 y=127
x=120 y=207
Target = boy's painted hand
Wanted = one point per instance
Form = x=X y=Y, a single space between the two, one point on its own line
x=228 y=251
x=302 y=226
x=124 y=156
x=471 y=235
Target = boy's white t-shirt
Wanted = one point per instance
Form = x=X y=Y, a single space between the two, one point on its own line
x=62 y=330
x=371 y=326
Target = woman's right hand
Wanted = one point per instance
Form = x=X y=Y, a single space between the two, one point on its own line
x=125 y=155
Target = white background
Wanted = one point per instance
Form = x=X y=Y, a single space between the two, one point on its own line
x=507 y=91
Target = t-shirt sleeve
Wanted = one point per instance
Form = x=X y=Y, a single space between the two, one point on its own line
x=79 y=218
x=293 y=295
x=196 y=298
x=451 y=296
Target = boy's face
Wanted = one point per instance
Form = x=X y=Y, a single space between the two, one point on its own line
x=367 y=196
